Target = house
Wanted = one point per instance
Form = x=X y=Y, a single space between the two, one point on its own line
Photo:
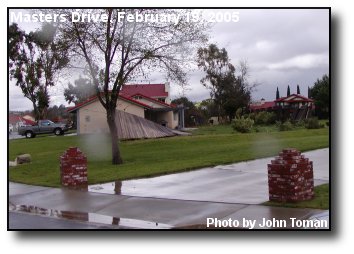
x=295 y=106
x=16 y=120
x=262 y=105
x=148 y=101
x=294 y=101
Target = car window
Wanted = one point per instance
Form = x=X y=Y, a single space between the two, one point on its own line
x=45 y=123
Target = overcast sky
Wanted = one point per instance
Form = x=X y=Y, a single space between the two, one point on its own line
x=282 y=47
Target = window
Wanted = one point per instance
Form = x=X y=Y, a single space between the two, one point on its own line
x=46 y=123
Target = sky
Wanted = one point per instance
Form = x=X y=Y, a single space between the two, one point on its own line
x=281 y=46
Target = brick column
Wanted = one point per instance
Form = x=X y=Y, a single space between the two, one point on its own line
x=290 y=177
x=73 y=168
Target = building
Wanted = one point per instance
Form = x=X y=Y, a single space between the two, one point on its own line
x=147 y=101
x=262 y=105
x=295 y=107
x=16 y=120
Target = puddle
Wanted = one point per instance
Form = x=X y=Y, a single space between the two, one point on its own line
x=108 y=188
x=114 y=222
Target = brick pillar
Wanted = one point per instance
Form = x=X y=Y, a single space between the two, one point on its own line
x=290 y=177
x=73 y=168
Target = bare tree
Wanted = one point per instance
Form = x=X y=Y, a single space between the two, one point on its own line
x=121 y=50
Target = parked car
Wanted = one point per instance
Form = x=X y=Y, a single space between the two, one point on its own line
x=42 y=127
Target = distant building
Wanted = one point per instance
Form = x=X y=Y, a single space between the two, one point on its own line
x=295 y=106
x=16 y=120
x=262 y=105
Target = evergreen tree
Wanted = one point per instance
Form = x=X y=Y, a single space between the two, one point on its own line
x=277 y=96
x=298 y=89
x=308 y=92
x=288 y=92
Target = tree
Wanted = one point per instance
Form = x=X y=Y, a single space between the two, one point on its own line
x=308 y=92
x=298 y=89
x=80 y=91
x=288 y=92
x=229 y=91
x=320 y=94
x=277 y=96
x=35 y=59
x=121 y=50
x=193 y=115
x=208 y=108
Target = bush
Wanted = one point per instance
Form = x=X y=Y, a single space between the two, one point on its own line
x=300 y=123
x=251 y=116
x=313 y=123
x=265 y=117
x=242 y=125
x=286 y=126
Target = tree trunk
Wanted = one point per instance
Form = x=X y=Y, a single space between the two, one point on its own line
x=35 y=111
x=116 y=156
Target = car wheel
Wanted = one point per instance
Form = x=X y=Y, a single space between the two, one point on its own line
x=29 y=134
x=57 y=132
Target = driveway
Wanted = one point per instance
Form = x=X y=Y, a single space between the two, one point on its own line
x=239 y=183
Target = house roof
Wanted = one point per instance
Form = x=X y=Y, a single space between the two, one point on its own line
x=13 y=119
x=149 y=90
x=265 y=105
x=294 y=98
x=94 y=98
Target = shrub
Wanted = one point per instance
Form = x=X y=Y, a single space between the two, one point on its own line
x=242 y=124
x=300 y=123
x=238 y=113
x=286 y=126
x=313 y=123
x=265 y=117
x=251 y=116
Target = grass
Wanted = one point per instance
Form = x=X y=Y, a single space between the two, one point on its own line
x=145 y=158
x=321 y=200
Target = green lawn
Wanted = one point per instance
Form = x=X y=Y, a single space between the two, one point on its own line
x=144 y=158
x=321 y=200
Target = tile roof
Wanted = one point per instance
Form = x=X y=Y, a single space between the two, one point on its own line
x=94 y=98
x=265 y=105
x=149 y=90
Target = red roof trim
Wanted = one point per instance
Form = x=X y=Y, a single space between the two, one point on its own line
x=296 y=95
x=134 y=101
x=155 y=100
